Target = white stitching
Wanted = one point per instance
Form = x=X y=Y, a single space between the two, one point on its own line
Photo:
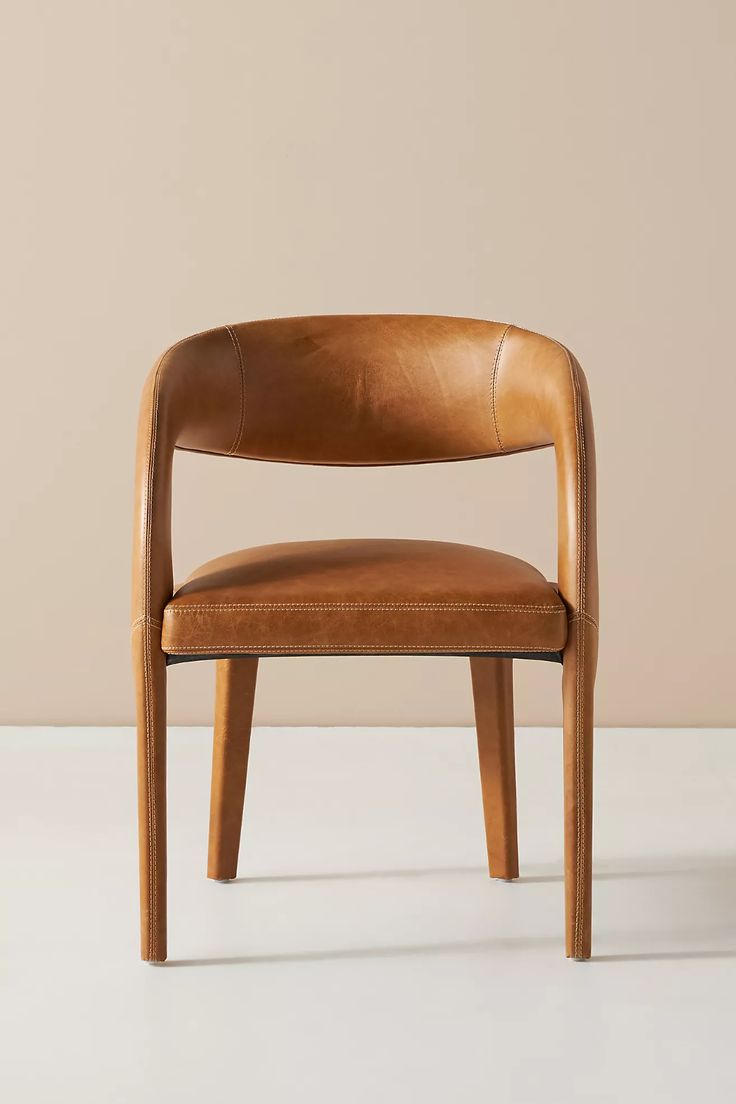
x=148 y=679
x=581 y=539
x=494 y=377
x=581 y=703
x=355 y=647
x=145 y=621
x=241 y=365
x=369 y=607
x=581 y=617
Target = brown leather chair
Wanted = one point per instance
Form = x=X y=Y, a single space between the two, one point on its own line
x=358 y=390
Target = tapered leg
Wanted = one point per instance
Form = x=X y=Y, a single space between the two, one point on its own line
x=578 y=677
x=150 y=675
x=234 y=697
x=494 y=720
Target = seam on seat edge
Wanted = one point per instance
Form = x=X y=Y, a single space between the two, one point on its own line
x=364 y=607
x=357 y=647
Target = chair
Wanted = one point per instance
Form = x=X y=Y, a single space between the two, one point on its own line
x=360 y=390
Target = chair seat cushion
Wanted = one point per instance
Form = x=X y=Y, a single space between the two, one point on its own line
x=382 y=597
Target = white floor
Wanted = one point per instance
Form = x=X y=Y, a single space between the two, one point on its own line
x=364 y=954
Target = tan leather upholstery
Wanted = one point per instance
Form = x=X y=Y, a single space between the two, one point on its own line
x=364 y=596
x=368 y=390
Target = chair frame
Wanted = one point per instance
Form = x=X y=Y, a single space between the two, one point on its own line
x=194 y=400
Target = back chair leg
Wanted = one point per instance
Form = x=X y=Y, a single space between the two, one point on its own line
x=234 y=698
x=578 y=676
x=494 y=719
x=150 y=676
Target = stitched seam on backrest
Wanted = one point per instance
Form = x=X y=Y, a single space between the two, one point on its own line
x=494 y=377
x=241 y=366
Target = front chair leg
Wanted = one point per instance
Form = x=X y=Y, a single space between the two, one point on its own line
x=234 y=697
x=578 y=676
x=494 y=719
x=150 y=677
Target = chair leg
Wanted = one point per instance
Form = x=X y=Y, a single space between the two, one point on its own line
x=494 y=719
x=150 y=675
x=234 y=697
x=578 y=677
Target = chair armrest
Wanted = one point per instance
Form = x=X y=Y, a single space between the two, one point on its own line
x=194 y=399
x=540 y=397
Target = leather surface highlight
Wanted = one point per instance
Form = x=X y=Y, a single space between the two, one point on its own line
x=383 y=596
x=365 y=389
x=368 y=389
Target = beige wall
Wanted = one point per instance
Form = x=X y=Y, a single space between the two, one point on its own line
x=171 y=165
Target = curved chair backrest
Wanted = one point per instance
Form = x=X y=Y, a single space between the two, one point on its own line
x=366 y=389
x=360 y=390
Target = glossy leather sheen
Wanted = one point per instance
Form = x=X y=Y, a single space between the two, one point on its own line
x=359 y=596
x=354 y=390
x=205 y=394
x=389 y=390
